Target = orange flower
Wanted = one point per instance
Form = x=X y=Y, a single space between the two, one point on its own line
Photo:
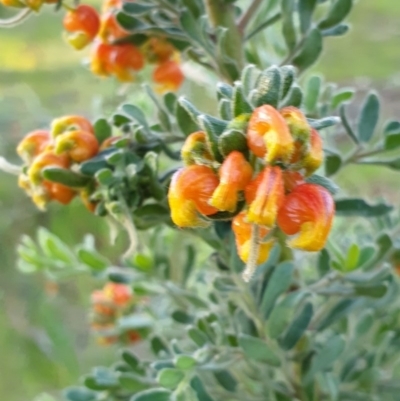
x=297 y=123
x=82 y=25
x=59 y=192
x=70 y=123
x=242 y=230
x=189 y=193
x=264 y=196
x=102 y=304
x=158 y=50
x=168 y=76
x=133 y=336
x=126 y=59
x=314 y=155
x=307 y=211
x=195 y=149
x=292 y=179
x=33 y=144
x=101 y=59
x=268 y=135
x=78 y=145
x=110 y=30
x=119 y=294
x=235 y=173
x=46 y=159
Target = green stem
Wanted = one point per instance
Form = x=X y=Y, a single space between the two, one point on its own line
x=275 y=18
x=222 y=14
x=248 y=15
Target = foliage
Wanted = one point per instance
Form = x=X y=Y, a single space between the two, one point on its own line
x=304 y=328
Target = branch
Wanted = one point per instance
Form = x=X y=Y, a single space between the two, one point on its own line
x=248 y=15
x=251 y=264
x=270 y=21
x=9 y=168
x=16 y=20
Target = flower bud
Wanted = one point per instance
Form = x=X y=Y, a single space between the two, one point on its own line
x=242 y=230
x=168 y=76
x=58 y=192
x=264 y=196
x=82 y=26
x=13 y=3
x=102 y=304
x=189 y=193
x=235 y=173
x=127 y=60
x=314 y=154
x=33 y=144
x=307 y=211
x=46 y=159
x=297 y=123
x=101 y=59
x=157 y=50
x=78 y=145
x=195 y=149
x=119 y=294
x=110 y=31
x=268 y=135
x=70 y=123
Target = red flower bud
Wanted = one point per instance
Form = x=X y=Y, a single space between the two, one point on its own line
x=78 y=145
x=126 y=59
x=189 y=193
x=70 y=123
x=168 y=76
x=268 y=135
x=235 y=173
x=307 y=211
x=33 y=144
x=120 y=294
x=265 y=195
x=82 y=25
x=297 y=123
x=195 y=149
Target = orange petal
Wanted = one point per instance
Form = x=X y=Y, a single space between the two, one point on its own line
x=297 y=123
x=78 y=145
x=308 y=211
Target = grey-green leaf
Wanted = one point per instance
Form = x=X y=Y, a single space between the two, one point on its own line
x=368 y=118
x=359 y=207
x=310 y=51
x=336 y=14
x=154 y=394
x=257 y=349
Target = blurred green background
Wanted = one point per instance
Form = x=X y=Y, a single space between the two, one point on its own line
x=44 y=339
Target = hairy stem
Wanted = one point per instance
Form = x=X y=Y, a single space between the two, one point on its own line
x=9 y=168
x=16 y=20
x=248 y=15
x=251 y=264
x=270 y=21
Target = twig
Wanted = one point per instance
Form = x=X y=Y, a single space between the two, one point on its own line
x=270 y=21
x=17 y=19
x=9 y=168
x=248 y=15
x=251 y=264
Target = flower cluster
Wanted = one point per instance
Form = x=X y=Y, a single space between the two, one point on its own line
x=108 y=304
x=113 y=55
x=70 y=141
x=261 y=187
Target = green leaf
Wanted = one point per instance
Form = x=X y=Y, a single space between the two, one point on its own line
x=129 y=23
x=102 y=130
x=340 y=97
x=212 y=131
x=310 y=51
x=135 y=321
x=393 y=164
x=359 y=207
x=306 y=10
x=324 y=122
x=170 y=101
x=392 y=127
x=232 y=140
x=349 y=130
x=224 y=91
x=326 y=356
x=65 y=177
x=170 y=378
x=185 y=362
x=352 y=258
x=338 y=30
x=375 y=291
x=333 y=162
x=249 y=77
x=79 y=394
x=197 y=336
x=255 y=348
x=312 y=93
x=181 y=316
x=200 y=390
x=240 y=105
x=392 y=141
x=225 y=109
x=136 y=114
x=161 y=113
x=268 y=88
x=98 y=162
x=132 y=382
x=288 y=28
x=323 y=182
x=336 y=14
x=283 y=313
x=341 y=309
x=93 y=259
x=298 y=327
x=226 y=380
x=324 y=262
x=154 y=394
x=288 y=76
x=279 y=282
x=186 y=115
x=136 y=8
x=131 y=359
x=368 y=118
x=294 y=98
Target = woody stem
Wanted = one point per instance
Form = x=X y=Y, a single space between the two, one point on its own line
x=251 y=264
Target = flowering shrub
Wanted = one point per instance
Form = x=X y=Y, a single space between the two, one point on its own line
x=241 y=281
